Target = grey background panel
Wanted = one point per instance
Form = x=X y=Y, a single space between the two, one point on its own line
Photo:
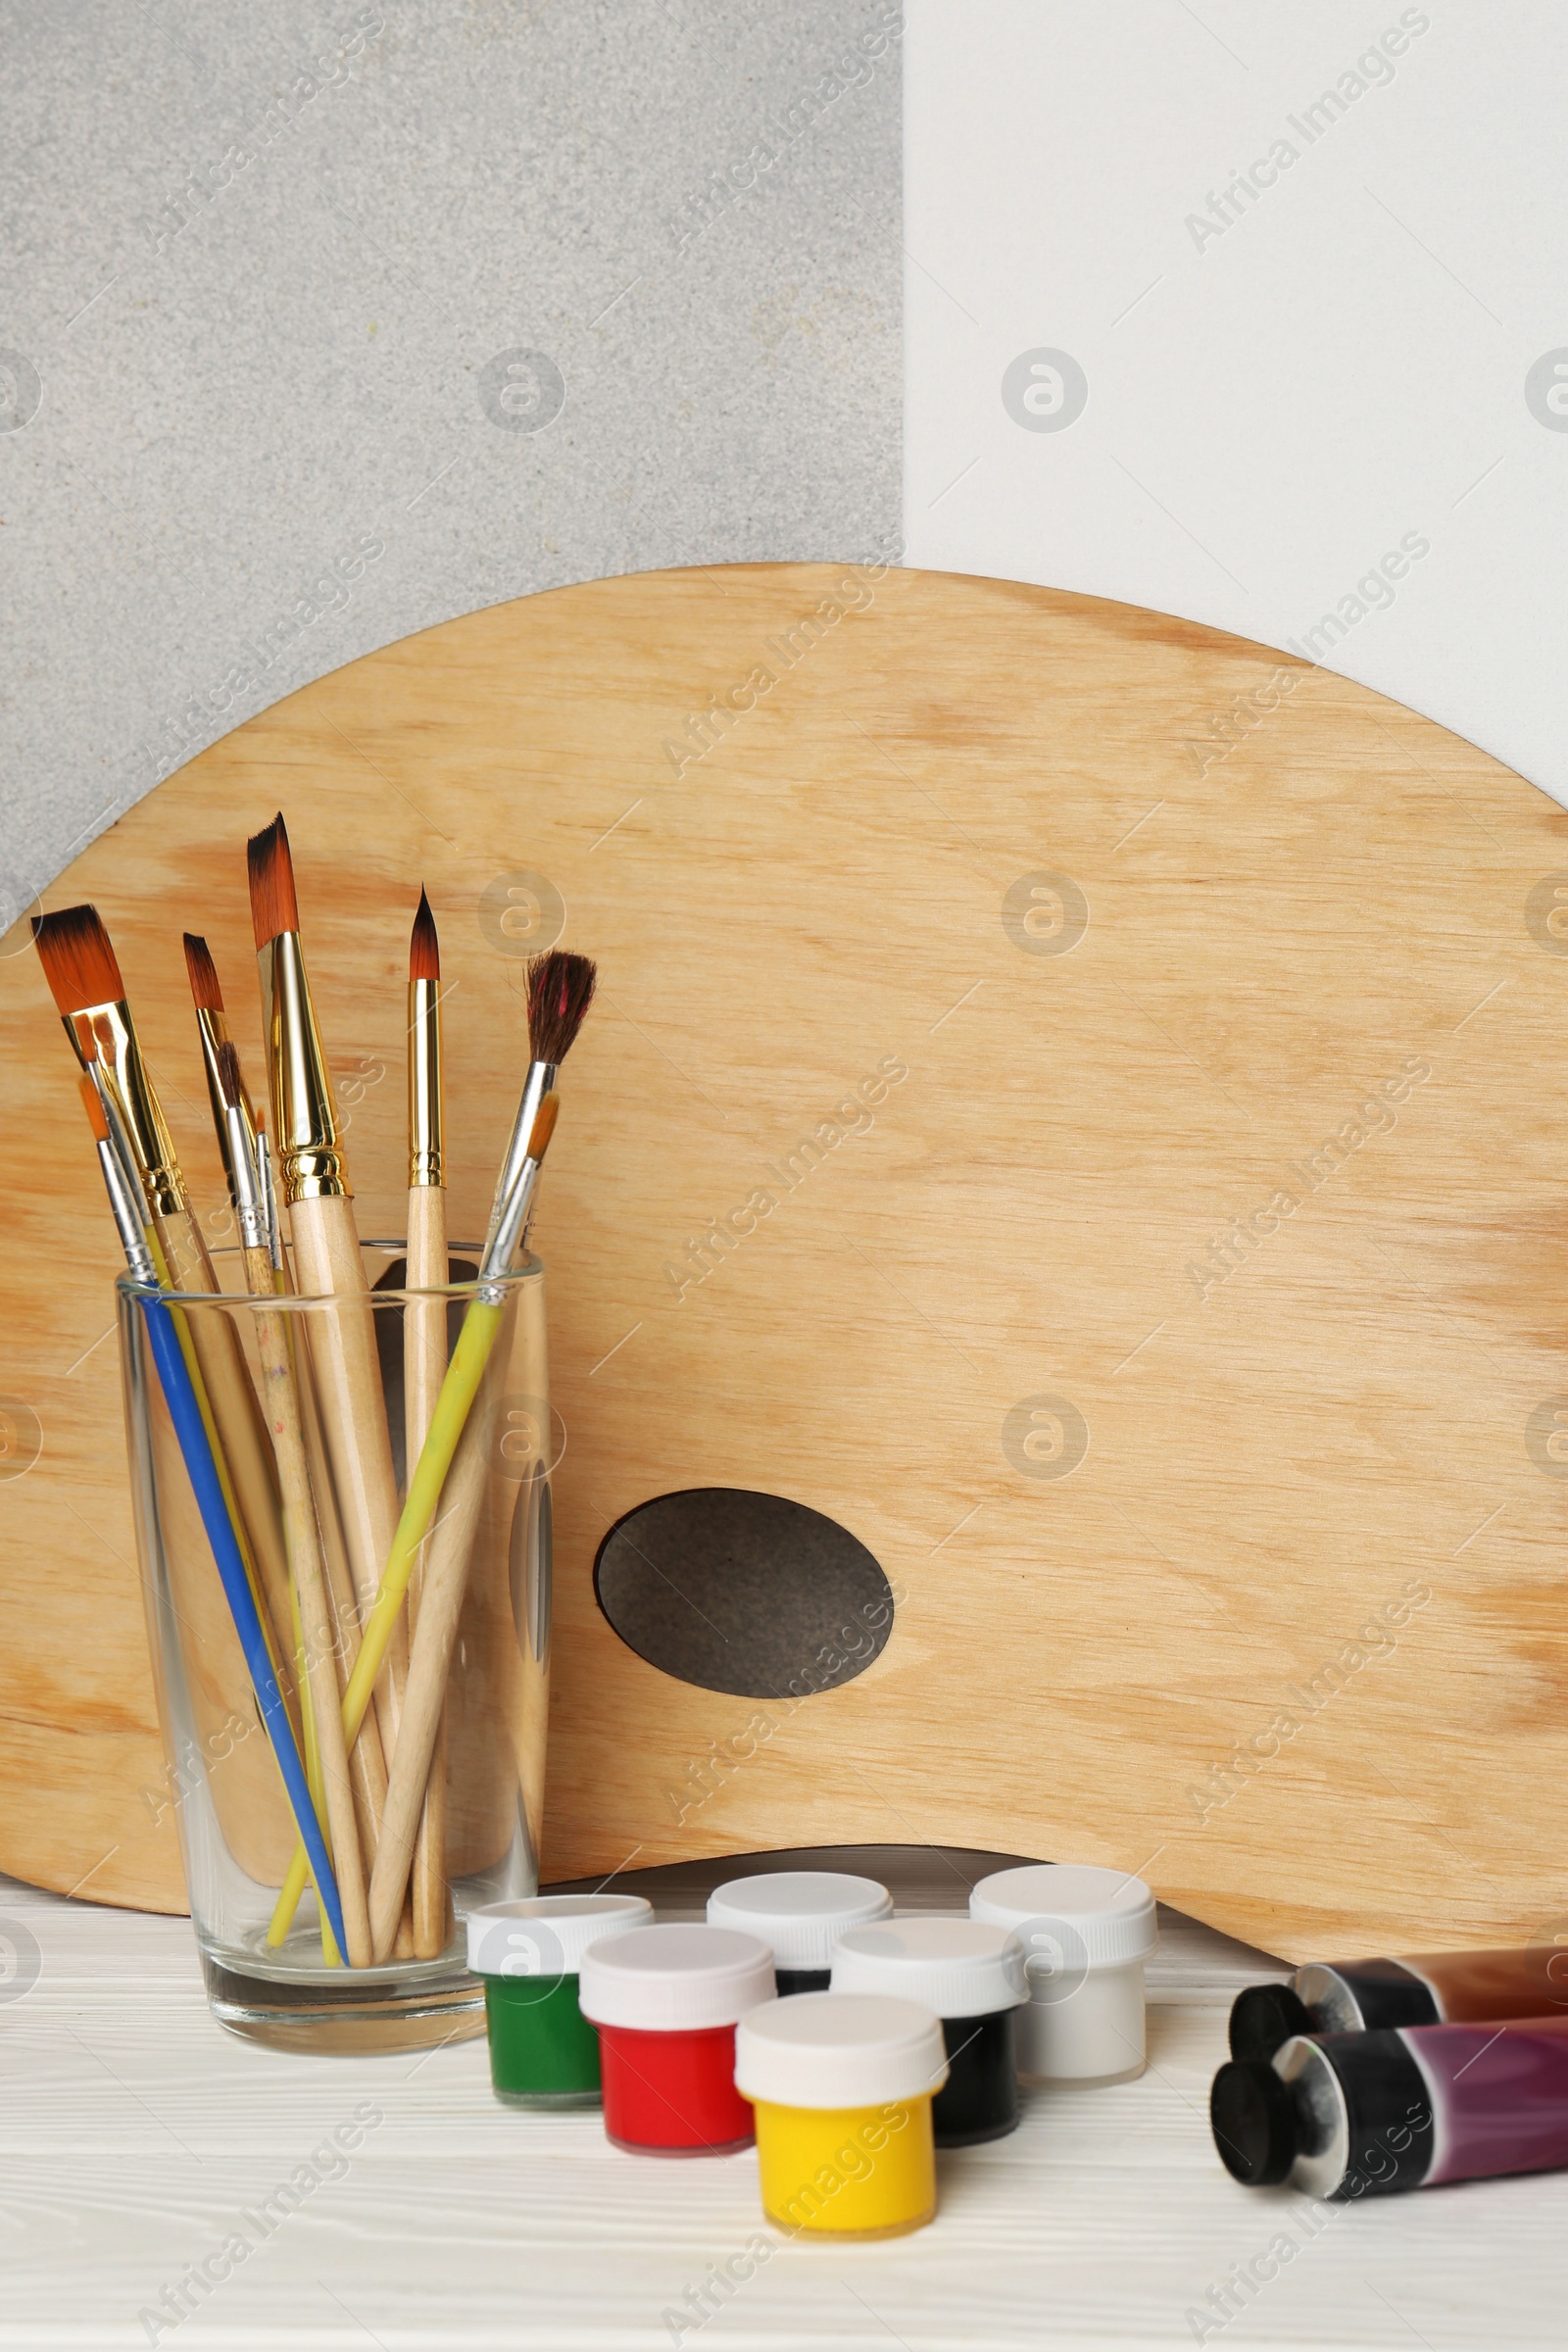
x=320 y=326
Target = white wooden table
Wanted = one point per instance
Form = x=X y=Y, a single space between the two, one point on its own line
x=138 y=2137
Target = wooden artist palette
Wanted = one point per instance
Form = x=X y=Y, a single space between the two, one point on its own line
x=1075 y=1102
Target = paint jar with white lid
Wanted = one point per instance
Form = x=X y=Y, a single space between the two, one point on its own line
x=667 y=2001
x=801 y=1914
x=842 y=2085
x=972 y=1976
x=1086 y=1935
x=543 y=2051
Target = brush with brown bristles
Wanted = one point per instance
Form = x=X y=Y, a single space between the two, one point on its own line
x=450 y=1478
x=211 y=1024
x=561 y=990
x=312 y=1173
x=318 y=1630
x=424 y=1363
x=83 y=975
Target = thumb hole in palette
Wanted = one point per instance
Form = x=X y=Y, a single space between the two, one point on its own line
x=745 y=1593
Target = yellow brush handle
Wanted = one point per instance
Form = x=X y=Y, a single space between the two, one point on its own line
x=458 y=1391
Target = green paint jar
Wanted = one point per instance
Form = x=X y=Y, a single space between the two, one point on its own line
x=543 y=2051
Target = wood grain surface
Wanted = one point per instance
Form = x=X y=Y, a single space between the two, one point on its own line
x=1074 y=1097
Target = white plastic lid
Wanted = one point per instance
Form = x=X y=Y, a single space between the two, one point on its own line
x=547 y=1935
x=674 y=1980
x=953 y=1966
x=800 y=1913
x=1069 y=1916
x=839 y=2049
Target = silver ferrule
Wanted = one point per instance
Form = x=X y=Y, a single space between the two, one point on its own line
x=502 y=1247
x=213 y=1030
x=121 y=1138
x=124 y=1207
x=539 y=1082
x=274 y=1231
x=239 y=1153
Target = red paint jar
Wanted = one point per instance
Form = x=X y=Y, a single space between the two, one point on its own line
x=667 y=2001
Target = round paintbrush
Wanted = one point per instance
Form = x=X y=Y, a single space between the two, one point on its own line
x=424 y=1363
x=452 y=1472
x=561 y=989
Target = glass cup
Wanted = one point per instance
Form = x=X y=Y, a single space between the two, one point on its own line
x=275 y=1977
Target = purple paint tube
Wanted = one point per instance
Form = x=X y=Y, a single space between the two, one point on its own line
x=1353 y=2115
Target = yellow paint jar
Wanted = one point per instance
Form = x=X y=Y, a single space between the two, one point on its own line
x=842 y=2085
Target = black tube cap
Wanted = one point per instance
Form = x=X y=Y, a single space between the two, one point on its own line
x=1264 y=2019
x=1253 y=2121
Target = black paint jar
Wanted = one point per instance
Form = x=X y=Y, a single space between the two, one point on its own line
x=972 y=1976
x=801 y=1914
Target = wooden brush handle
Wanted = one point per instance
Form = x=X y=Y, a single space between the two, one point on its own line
x=446 y=1576
x=315 y=1612
x=238 y=1418
x=424 y=1364
x=366 y=1762
x=347 y=1388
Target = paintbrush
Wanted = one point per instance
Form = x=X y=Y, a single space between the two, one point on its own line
x=83 y=975
x=452 y=1465
x=561 y=989
x=312 y=1174
x=240 y=1152
x=366 y=1765
x=456 y=1430
x=424 y=1361
x=451 y=1471
x=122 y=1186
x=306 y=1563
x=212 y=1026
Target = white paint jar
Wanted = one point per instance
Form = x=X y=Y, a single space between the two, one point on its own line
x=1086 y=1935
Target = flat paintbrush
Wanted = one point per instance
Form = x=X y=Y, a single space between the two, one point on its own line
x=424 y=1363
x=83 y=974
x=299 y=1512
x=313 y=1172
x=212 y=1026
x=240 y=1149
x=366 y=1765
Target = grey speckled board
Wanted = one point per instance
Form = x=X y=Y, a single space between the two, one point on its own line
x=321 y=325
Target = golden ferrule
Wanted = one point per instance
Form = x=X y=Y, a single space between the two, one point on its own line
x=311 y=1161
x=425 y=1082
x=130 y=1098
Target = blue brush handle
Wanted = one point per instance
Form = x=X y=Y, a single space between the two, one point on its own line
x=185 y=1414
